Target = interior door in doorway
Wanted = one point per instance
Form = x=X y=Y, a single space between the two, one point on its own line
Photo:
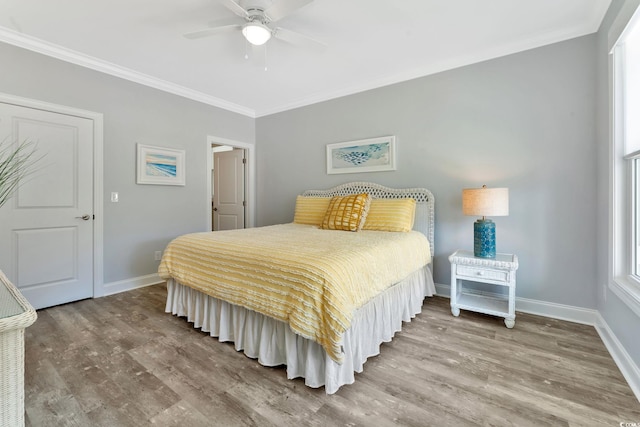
x=46 y=229
x=229 y=190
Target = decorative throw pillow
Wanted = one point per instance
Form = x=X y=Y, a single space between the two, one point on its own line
x=391 y=215
x=310 y=210
x=346 y=212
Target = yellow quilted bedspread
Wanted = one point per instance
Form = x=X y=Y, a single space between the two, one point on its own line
x=312 y=279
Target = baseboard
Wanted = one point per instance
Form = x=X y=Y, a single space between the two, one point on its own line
x=129 y=284
x=443 y=290
x=629 y=369
x=557 y=311
x=541 y=308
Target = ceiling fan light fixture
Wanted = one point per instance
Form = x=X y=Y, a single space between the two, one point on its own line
x=256 y=33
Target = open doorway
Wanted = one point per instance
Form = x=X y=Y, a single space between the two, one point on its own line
x=230 y=172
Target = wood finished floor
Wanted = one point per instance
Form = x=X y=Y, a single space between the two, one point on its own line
x=122 y=361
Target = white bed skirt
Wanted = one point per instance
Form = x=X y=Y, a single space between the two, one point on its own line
x=273 y=343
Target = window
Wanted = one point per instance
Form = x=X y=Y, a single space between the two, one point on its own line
x=634 y=252
x=626 y=165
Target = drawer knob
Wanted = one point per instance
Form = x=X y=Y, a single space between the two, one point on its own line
x=480 y=273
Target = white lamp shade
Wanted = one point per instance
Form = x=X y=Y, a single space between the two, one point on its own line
x=256 y=33
x=485 y=201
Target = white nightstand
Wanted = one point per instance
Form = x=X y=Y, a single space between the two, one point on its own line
x=500 y=271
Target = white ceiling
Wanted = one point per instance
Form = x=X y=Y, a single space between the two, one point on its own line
x=370 y=43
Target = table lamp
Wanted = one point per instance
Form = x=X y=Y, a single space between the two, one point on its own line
x=485 y=202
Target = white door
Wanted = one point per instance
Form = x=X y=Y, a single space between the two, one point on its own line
x=46 y=229
x=228 y=191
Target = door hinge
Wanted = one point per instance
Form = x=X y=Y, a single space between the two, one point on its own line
x=244 y=203
x=244 y=161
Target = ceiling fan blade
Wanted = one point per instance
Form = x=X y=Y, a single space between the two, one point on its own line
x=235 y=8
x=282 y=8
x=211 y=31
x=225 y=22
x=297 y=38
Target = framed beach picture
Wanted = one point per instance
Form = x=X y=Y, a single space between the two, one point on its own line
x=160 y=166
x=367 y=155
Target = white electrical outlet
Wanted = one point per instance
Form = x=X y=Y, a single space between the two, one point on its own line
x=114 y=197
x=158 y=255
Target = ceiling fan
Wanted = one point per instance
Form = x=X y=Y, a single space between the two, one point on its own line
x=257 y=16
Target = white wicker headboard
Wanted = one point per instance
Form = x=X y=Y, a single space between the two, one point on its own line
x=425 y=202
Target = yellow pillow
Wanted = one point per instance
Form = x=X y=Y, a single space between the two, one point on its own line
x=346 y=212
x=310 y=210
x=391 y=215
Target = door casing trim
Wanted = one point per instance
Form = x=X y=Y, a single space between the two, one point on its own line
x=250 y=176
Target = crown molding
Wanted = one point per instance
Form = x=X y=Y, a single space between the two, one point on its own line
x=444 y=65
x=37 y=45
x=43 y=47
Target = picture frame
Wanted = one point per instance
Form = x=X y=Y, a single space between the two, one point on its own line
x=365 y=155
x=160 y=166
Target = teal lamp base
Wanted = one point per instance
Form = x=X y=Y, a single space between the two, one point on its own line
x=484 y=238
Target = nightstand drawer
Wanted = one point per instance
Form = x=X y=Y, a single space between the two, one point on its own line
x=476 y=272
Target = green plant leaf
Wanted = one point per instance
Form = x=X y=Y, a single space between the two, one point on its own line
x=16 y=162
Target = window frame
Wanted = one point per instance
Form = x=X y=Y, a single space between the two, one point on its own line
x=625 y=194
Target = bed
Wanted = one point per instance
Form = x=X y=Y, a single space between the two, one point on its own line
x=331 y=304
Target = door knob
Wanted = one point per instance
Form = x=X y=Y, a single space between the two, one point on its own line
x=85 y=217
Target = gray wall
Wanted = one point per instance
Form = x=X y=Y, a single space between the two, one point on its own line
x=524 y=121
x=147 y=216
x=619 y=317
